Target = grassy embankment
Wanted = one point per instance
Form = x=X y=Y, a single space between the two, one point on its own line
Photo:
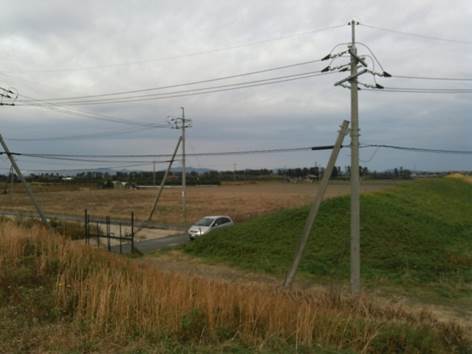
x=416 y=239
x=61 y=296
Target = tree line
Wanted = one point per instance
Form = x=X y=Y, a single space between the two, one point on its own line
x=134 y=178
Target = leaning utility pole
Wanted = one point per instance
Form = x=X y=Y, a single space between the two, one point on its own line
x=22 y=178
x=164 y=179
x=316 y=204
x=355 y=181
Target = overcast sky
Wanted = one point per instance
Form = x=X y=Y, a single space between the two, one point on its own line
x=53 y=49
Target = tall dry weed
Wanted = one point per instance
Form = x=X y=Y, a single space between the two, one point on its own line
x=112 y=295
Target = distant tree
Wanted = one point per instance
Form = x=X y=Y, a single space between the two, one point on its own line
x=335 y=172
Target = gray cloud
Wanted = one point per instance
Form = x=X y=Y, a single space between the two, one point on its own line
x=39 y=39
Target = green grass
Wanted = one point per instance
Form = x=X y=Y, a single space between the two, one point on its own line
x=415 y=235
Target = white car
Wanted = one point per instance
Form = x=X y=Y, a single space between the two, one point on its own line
x=208 y=223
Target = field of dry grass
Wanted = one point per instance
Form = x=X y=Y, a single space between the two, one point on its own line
x=462 y=177
x=239 y=201
x=110 y=303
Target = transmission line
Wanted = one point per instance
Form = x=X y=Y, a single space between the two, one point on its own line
x=192 y=54
x=418 y=149
x=96 y=116
x=83 y=136
x=434 y=78
x=417 y=35
x=85 y=169
x=74 y=159
x=120 y=93
x=201 y=91
x=419 y=90
x=221 y=153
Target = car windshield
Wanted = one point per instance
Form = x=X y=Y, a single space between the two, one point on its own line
x=204 y=222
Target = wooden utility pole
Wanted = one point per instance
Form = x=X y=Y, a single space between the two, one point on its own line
x=316 y=205
x=22 y=178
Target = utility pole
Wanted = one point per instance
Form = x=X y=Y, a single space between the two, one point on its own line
x=22 y=178
x=310 y=220
x=154 y=173
x=184 y=172
x=164 y=179
x=12 y=180
x=182 y=123
x=355 y=180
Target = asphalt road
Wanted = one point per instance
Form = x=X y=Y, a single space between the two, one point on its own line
x=80 y=218
x=149 y=246
x=144 y=246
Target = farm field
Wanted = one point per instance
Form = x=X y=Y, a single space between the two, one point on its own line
x=239 y=201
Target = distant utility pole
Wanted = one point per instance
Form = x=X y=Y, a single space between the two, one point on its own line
x=12 y=180
x=184 y=171
x=154 y=173
x=355 y=180
x=183 y=123
x=22 y=178
x=234 y=171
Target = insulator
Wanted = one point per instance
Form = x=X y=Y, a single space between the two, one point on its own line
x=326 y=57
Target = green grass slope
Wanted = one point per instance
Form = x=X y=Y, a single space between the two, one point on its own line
x=415 y=234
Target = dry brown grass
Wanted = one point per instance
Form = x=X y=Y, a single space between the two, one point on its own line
x=460 y=176
x=239 y=201
x=104 y=294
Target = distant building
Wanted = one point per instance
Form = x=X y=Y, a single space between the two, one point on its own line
x=119 y=184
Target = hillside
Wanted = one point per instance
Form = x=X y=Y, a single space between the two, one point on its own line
x=416 y=236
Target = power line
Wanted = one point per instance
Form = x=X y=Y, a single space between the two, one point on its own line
x=420 y=90
x=435 y=78
x=74 y=159
x=92 y=158
x=201 y=91
x=96 y=116
x=418 y=149
x=86 y=169
x=153 y=156
x=82 y=136
x=417 y=35
x=135 y=163
x=119 y=93
x=192 y=54
x=429 y=89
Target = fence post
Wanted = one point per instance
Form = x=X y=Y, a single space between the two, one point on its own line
x=121 y=251
x=86 y=229
x=108 y=233
x=132 y=232
x=98 y=235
